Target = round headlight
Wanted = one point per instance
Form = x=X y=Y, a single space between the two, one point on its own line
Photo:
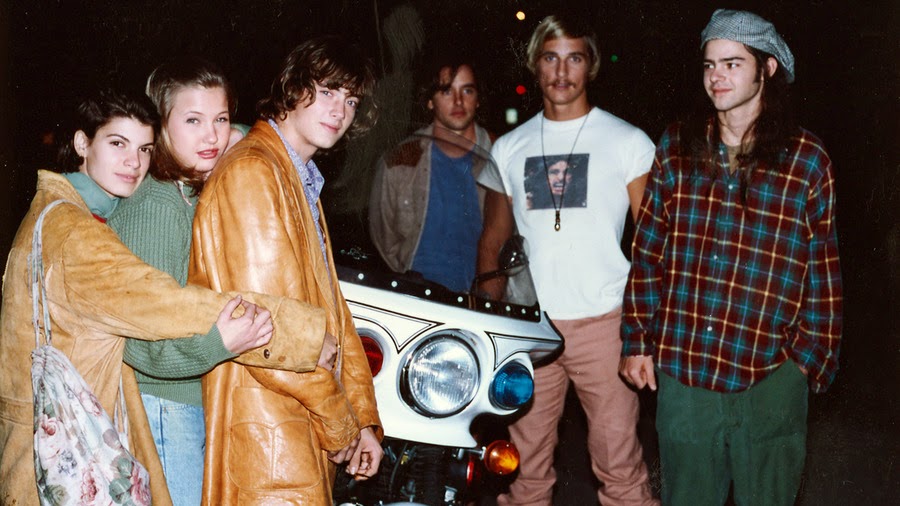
x=512 y=387
x=441 y=376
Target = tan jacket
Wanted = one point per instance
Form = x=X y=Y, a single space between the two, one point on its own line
x=398 y=201
x=267 y=431
x=98 y=294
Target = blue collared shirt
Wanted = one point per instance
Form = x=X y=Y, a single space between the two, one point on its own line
x=313 y=182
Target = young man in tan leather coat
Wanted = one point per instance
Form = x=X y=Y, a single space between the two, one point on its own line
x=274 y=437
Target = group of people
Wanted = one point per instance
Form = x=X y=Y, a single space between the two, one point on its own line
x=240 y=273
x=206 y=294
x=731 y=304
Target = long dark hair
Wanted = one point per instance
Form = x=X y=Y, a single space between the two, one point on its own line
x=96 y=111
x=429 y=78
x=162 y=86
x=767 y=137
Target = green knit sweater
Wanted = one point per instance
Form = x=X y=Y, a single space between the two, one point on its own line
x=155 y=223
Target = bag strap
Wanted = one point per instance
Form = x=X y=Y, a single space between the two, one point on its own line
x=38 y=283
x=120 y=416
x=39 y=308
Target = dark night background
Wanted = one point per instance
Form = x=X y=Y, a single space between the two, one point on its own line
x=52 y=52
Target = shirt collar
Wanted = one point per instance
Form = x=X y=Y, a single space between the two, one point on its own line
x=97 y=200
x=295 y=157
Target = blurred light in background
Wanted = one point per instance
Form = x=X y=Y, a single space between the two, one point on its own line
x=512 y=116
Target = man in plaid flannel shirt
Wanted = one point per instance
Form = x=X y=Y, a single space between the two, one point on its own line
x=733 y=303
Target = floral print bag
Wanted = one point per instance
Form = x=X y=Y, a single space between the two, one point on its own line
x=79 y=456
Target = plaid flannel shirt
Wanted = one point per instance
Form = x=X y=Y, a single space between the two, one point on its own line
x=720 y=293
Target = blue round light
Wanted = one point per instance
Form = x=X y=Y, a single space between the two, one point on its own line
x=512 y=387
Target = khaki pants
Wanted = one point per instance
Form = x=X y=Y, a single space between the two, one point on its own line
x=590 y=361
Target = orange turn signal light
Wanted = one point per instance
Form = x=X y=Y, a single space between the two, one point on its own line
x=501 y=457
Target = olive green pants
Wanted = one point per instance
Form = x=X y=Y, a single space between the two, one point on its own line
x=755 y=439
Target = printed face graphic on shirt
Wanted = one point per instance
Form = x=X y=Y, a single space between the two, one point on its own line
x=556 y=181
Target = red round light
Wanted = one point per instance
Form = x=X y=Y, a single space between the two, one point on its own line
x=373 y=354
x=520 y=90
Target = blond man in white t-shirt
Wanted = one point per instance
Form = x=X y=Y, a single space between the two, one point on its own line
x=578 y=216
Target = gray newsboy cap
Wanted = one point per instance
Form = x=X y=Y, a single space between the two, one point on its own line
x=752 y=30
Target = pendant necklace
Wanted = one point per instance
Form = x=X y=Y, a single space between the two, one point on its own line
x=558 y=207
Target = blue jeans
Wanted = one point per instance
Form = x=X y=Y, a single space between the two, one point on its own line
x=180 y=437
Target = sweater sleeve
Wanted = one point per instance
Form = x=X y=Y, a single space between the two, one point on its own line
x=177 y=358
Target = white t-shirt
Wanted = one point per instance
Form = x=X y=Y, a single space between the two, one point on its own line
x=579 y=271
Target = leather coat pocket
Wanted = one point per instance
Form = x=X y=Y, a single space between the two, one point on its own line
x=271 y=444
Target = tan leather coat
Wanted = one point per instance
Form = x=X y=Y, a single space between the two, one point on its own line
x=267 y=431
x=98 y=294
